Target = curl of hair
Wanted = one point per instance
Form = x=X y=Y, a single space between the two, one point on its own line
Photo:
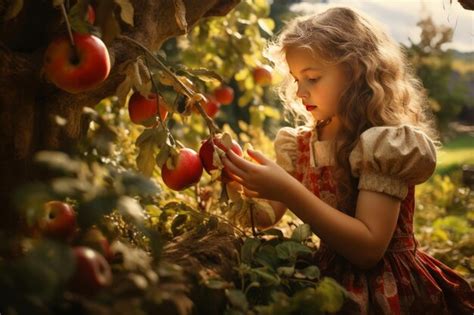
x=382 y=91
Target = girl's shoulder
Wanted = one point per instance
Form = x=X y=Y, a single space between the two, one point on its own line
x=286 y=146
x=391 y=158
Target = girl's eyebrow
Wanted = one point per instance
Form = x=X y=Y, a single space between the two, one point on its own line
x=307 y=69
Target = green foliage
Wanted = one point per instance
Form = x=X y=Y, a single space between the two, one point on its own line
x=447 y=89
x=444 y=222
x=277 y=277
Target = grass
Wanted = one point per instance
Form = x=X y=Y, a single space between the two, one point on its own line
x=455 y=153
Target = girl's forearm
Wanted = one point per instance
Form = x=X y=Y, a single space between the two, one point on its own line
x=347 y=235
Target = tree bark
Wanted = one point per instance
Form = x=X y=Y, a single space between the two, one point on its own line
x=29 y=105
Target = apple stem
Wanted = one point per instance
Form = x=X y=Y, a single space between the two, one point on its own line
x=188 y=92
x=69 y=31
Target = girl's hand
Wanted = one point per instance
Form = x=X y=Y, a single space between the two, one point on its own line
x=263 y=180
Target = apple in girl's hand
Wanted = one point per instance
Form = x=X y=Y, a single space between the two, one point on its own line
x=262 y=75
x=143 y=110
x=206 y=153
x=58 y=220
x=185 y=170
x=95 y=239
x=92 y=271
x=80 y=68
x=224 y=94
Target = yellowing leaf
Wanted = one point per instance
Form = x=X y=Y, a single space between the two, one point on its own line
x=126 y=11
x=146 y=159
x=13 y=10
x=180 y=15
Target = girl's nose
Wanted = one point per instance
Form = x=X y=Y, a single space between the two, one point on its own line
x=301 y=93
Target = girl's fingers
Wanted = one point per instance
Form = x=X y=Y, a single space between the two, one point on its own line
x=232 y=168
x=240 y=162
x=250 y=193
x=257 y=156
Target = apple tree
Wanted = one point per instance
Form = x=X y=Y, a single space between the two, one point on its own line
x=94 y=93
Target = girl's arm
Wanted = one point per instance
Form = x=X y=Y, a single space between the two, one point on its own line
x=362 y=239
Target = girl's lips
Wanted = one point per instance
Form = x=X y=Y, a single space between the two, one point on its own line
x=310 y=107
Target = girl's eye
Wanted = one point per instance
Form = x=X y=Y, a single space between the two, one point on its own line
x=314 y=80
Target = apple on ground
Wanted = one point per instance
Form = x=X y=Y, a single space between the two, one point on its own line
x=143 y=110
x=206 y=153
x=92 y=271
x=58 y=220
x=185 y=171
x=80 y=68
x=262 y=75
x=224 y=94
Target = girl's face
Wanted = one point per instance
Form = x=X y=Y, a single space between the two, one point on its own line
x=319 y=86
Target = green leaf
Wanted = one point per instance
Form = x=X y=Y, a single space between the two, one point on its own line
x=290 y=250
x=267 y=276
x=330 y=294
x=237 y=299
x=248 y=249
x=126 y=11
x=286 y=271
x=267 y=257
x=301 y=233
x=310 y=272
x=163 y=155
x=273 y=231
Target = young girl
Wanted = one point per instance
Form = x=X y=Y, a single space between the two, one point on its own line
x=350 y=170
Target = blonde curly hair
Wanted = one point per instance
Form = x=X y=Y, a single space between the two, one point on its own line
x=382 y=91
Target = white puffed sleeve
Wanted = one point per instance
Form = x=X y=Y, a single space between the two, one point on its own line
x=389 y=159
x=286 y=148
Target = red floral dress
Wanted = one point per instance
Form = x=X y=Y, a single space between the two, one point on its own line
x=406 y=280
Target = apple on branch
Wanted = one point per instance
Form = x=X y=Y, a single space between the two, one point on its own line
x=77 y=68
x=224 y=94
x=58 y=220
x=182 y=170
x=262 y=75
x=143 y=110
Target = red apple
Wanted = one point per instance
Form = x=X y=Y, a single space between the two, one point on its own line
x=58 y=220
x=92 y=271
x=95 y=239
x=80 y=68
x=206 y=153
x=224 y=94
x=262 y=75
x=142 y=110
x=90 y=14
x=211 y=107
x=187 y=170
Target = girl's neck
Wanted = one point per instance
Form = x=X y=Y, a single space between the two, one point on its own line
x=328 y=130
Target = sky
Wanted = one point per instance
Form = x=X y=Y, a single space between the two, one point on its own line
x=400 y=17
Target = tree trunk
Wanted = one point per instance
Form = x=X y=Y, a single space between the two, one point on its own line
x=29 y=105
